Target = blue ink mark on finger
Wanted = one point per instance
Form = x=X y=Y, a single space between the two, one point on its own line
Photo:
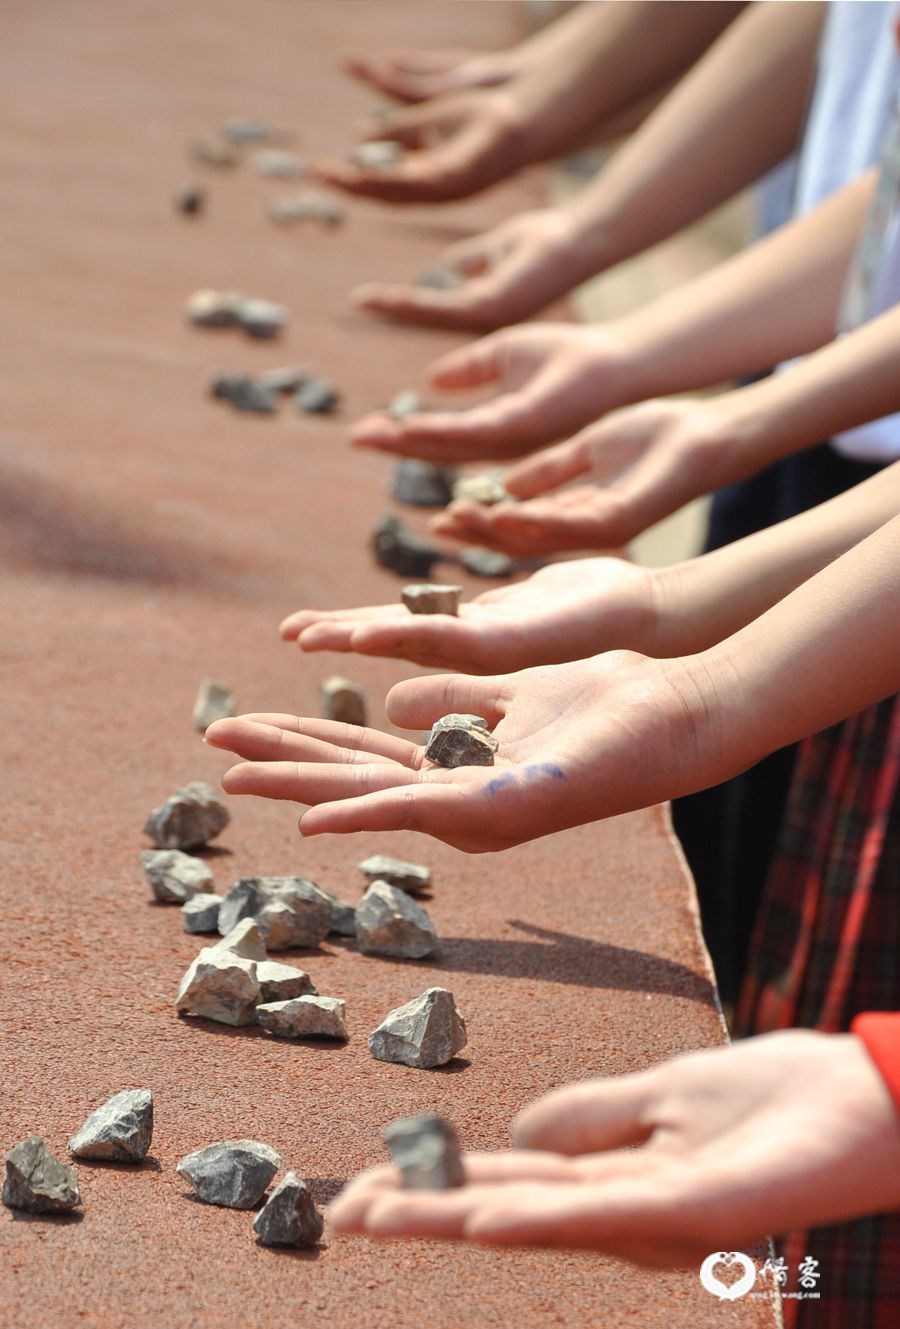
x=501 y=782
x=544 y=770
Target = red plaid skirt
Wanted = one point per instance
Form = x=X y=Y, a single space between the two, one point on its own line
x=825 y=948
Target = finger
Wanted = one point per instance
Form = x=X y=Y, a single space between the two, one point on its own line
x=460 y=308
x=470 y=366
x=312 y=783
x=476 y=524
x=291 y=627
x=274 y=737
x=418 y=702
x=548 y=469
x=445 y=810
x=435 y=640
x=590 y=1117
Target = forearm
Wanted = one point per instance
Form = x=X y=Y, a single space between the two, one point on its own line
x=736 y=115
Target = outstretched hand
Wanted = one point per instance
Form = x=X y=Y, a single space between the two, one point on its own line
x=791 y=1130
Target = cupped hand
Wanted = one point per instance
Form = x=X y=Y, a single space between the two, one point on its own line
x=509 y=272
x=563 y=612
x=791 y=1130
x=416 y=76
x=549 y=379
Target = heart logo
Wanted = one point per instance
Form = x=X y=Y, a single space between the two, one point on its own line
x=729 y=1260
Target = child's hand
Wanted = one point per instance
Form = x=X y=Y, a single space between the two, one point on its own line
x=416 y=76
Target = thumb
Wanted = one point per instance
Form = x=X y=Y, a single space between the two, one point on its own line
x=549 y=469
x=588 y=1118
x=469 y=366
x=418 y=702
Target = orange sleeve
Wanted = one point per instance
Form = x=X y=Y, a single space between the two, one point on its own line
x=881 y=1034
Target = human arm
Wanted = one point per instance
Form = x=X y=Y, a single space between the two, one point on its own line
x=712 y=1150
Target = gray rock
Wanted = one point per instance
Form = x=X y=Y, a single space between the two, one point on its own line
x=215 y=701
x=461 y=740
x=190 y=817
x=441 y=278
x=486 y=488
x=317 y=397
x=290 y=911
x=278 y=164
x=304 y=207
x=405 y=403
x=243 y=393
x=377 y=153
x=201 y=913
x=431 y=598
x=343 y=700
x=191 y=200
x=288 y=379
x=213 y=309
x=261 y=318
x=220 y=986
x=175 y=876
x=485 y=562
x=214 y=150
x=289 y=1217
x=389 y=922
x=426 y=1151
x=305 y=1017
x=245 y=129
x=120 y=1129
x=410 y=877
x=421 y=484
x=281 y=982
x=232 y=1173
x=343 y=916
x=244 y=900
x=280 y=926
x=245 y=939
x=395 y=547
x=38 y=1182
x=427 y=1031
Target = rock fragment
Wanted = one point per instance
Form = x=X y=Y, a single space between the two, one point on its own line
x=244 y=129
x=426 y=1151
x=431 y=598
x=262 y=318
x=290 y=911
x=486 y=488
x=190 y=817
x=317 y=397
x=425 y=1032
x=220 y=986
x=389 y=922
x=243 y=393
x=200 y=913
x=395 y=547
x=343 y=916
x=441 y=278
x=343 y=700
x=174 y=876
x=422 y=484
x=306 y=206
x=231 y=1173
x=37 y=1181
x=410 y=877
x=214 y=150
x=281 y=982
x=120 y=1129
x=288 y=379
x=289 y=1217
x=485 y=562
x=405 y=403
x=190 y=200
x=279 y=164
x=244 y=939
x=213 y=309
x=461 y=740
x=376 y=153
x=215 y=701
x=305 y=1017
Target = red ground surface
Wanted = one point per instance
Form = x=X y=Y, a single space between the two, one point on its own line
x=151 y=538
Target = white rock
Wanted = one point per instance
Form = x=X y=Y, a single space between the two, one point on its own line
x=220 y=986
x=174 y=876
x=305 y=1017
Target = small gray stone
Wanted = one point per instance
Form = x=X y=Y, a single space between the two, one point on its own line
x=215 y=701
x=220 y=986
x=261 y=318
x=486 y=488
x=289 y=1217
x=288 y=379
x=317 y=397
x=244 y=394
x=201 y=913
x=377 y=153
x=405 y=403
x=278 y=164
x=410 y=877
x=246 y=129
x=290 y=911
x=281 y=982
x=175 y=876
x=441 y=278
x=461 y=740
x=426 y=1151
x=244 y=939
x=213 y=309
x=279 y=924
x=425 y=1032
x=343 y=700
x=305 y=1017
x=244 y=900
x=191 y=200
x=120 y=1129
x=37 y=1181
x=431 y=598
x=485 y=562
x=214 y=150
x=389 y=922
x=231 y=1173
x=395 y=547
x=343 y=916
x=190 y=817
x=422 y=484
x=304 y=207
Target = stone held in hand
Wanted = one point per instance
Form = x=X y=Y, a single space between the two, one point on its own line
x=440 y=277
x=377 y=153
x=483 y=562
x=200 y=913
x=37 y=1181
x=421 y=484
x=190 y=817
x=245 y=939
x=309 y=1016
x=395 y=547
x=425 y=1149
x=289 y=1217
x=404 y=403
x=431 y=598
x=215 y=701
x=461 y=740
x=410 y=877
x=389 y=922
x=231 y=1173
x=220 y=986
x=175 y=876
x=282 y=982
x=425 y=1032
x=121 y=1129
x=484 y=487
x=244 y=394
x=343 y=700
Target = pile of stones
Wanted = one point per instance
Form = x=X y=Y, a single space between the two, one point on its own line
x=311 y=395
x=397 y=548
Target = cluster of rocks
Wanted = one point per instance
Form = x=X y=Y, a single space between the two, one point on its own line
x=260 y=319
x=311 y=395
x=236 y=1174
x=397 y=548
